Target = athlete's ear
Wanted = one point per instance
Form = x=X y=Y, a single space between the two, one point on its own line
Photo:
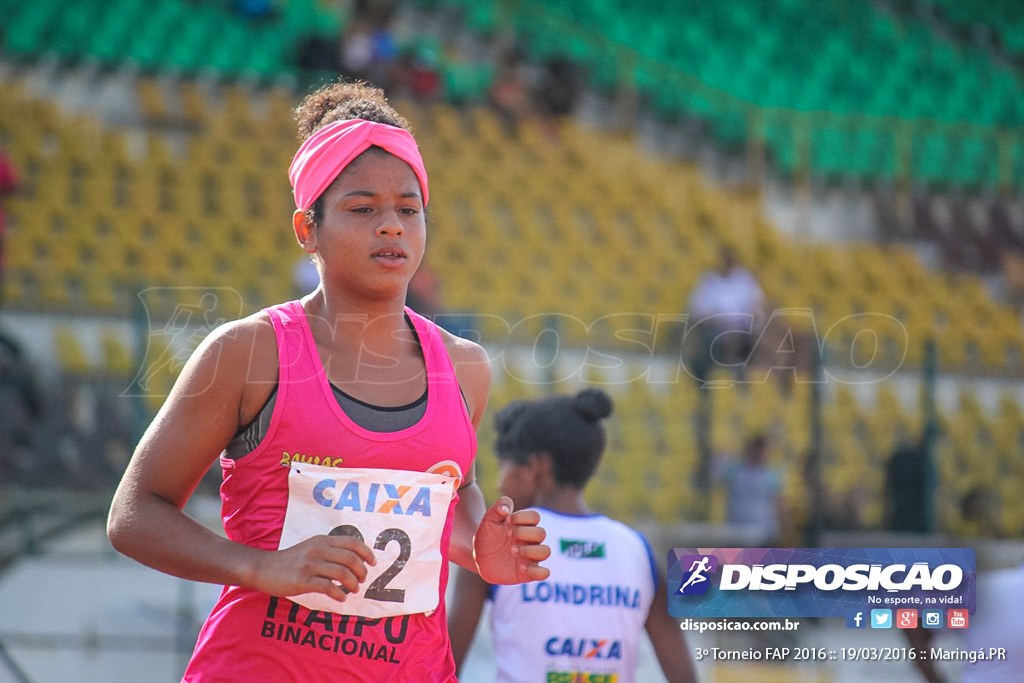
x=305 y=232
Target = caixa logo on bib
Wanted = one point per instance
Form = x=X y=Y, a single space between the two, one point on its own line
x=816 y=582
x=377 y=497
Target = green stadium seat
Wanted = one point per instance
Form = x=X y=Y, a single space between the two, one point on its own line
x=467 y=82
x=176 y=35
x=851 y=59
x=25 y=34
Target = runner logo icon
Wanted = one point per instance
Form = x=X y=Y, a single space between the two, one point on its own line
x=695 y=581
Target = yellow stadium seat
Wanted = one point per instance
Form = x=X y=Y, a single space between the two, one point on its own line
x=118 y=358
x=70 y=355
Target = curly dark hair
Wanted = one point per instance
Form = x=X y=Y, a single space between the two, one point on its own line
x=343 y=100
x=567 y=429
x=340 y=101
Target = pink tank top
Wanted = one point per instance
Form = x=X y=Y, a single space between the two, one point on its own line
x=252 y=636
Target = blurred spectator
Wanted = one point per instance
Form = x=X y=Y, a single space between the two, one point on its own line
x=754 y=492
x=255 y=9
x=416 y=75
x=318 y=53
x=978 y=518
x=9 y=182
x=845 y=510
x=559 y=88
x=357 y=49
x=369 y=51
x=909 y=478
x=21 y=406
x=509 y=95
x=727 y=312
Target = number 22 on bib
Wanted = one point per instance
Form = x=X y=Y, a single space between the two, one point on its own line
x=400 y=515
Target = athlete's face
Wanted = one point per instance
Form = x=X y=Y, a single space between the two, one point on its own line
x=372 y=234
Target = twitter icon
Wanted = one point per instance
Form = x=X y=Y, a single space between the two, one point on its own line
x=881 y=618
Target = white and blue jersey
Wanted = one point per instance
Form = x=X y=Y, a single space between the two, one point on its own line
x=586 y=620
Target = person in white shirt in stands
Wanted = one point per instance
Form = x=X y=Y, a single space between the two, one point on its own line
x=727 y=312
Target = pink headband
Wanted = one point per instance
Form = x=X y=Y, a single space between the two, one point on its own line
x=327 y=152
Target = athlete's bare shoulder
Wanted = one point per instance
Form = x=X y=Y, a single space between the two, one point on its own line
x=240 y=357
x=462 y=349
x=472 y=366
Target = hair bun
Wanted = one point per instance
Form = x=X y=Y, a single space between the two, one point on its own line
x=344 y=100
x=593 y=404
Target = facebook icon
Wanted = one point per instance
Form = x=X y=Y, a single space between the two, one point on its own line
x=856 y=619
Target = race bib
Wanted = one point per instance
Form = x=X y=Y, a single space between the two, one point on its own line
x=399 y=514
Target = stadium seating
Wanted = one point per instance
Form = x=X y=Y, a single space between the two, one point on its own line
x=220 y=179
x=166 y=35
x=940 y=114
x=610 y=242
x=574 y=231
x=911 y=104
x=1003 y=17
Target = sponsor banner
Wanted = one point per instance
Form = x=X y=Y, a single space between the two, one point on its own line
x=817 y=582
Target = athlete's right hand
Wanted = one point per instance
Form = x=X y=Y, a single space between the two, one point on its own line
x=332 y=565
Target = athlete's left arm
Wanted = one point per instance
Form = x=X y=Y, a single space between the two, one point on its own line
x=502 y=545
x=668 y=640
